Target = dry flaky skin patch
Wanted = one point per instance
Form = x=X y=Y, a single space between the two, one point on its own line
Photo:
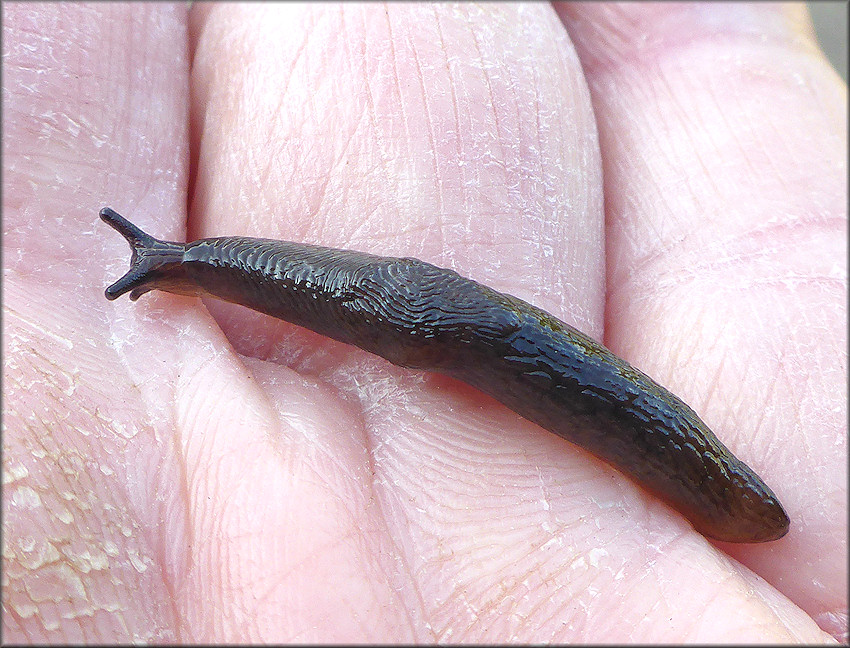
x=71 y=544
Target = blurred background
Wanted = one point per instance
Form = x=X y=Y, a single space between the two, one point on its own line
x=830 y=19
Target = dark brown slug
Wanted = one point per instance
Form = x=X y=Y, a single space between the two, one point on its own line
x=417 y=315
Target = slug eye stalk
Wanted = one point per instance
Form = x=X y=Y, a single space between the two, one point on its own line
x=151 y=258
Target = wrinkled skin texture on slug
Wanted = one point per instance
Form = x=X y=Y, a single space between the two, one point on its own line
x=179 y=471
x=418 y=315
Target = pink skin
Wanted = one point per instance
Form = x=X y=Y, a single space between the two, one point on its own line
x=179 y=470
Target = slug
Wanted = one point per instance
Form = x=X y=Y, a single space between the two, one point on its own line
x=417 y=315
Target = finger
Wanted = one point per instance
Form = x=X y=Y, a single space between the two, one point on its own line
x=92 y=112
x=723 y=138
x=395 y=139
x=432 y=132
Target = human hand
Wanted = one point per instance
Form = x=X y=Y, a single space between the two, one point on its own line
x=174 y=473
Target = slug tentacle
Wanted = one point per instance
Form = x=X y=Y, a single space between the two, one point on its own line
x=416 y=314
x=152 y=258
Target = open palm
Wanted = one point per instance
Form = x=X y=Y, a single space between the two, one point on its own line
x=187 y=470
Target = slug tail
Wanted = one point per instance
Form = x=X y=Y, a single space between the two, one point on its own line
x=153 y=261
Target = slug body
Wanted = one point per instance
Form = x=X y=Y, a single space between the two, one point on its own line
x=415 y=314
